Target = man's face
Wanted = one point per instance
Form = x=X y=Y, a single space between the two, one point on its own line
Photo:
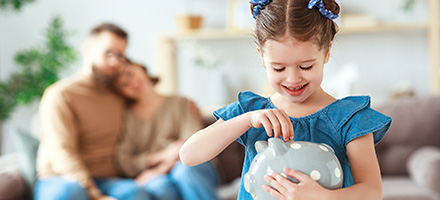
x=106 y=54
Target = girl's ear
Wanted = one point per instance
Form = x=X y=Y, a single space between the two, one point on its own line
x=261 y=55
x=327 y=54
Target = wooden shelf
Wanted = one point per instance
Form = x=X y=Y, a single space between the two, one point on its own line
x=385 y=27
x=219 y=34
x=212 y=34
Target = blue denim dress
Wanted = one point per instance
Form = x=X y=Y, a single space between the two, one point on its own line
x=336 y=125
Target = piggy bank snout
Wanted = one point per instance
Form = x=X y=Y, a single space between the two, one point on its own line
x=248 y=182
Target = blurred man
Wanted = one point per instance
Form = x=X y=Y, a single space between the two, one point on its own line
x=81 y=123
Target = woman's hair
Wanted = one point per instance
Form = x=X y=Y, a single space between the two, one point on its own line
x=113 y=85
x=294 y=18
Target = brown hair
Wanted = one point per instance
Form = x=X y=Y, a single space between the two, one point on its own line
x=111 y=28
x=113 y=85
x=292 y=17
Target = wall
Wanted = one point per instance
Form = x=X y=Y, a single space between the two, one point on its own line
x=141 y=19
x=385 y=60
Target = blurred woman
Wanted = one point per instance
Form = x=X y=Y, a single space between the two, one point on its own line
x=155 y=128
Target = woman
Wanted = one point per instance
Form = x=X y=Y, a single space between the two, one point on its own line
x=155 y=128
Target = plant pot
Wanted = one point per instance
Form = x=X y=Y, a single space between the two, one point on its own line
x=189 y=22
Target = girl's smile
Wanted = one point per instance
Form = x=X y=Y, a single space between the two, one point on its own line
x=295 y=90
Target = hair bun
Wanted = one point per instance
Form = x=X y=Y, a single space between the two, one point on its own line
x=331 y=5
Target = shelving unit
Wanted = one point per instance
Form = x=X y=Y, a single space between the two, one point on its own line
x=166 y=45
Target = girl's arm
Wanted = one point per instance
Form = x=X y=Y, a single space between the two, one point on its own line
x=366 y=176
x=209 y=142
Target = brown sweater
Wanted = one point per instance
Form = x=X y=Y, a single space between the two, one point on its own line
x=173 y=121
x=81 y=124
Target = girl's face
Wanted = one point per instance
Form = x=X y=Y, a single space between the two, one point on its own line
x=294 y=68
x=133 y=82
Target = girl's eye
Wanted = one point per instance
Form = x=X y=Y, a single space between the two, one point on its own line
x=279 y=69
x=306 y=68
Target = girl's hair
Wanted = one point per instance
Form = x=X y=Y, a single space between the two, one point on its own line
x=293 y=17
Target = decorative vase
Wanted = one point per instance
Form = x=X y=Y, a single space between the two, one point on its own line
x=189 y=22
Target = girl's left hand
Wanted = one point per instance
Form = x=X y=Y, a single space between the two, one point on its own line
x=284 y=189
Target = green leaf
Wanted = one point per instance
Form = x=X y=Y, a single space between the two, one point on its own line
x=38 y=67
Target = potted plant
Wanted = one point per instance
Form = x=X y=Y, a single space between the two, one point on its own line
x=39 y=67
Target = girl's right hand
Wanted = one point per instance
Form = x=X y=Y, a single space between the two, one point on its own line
x=275 y=120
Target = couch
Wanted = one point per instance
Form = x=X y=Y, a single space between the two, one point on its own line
x=17 y=171
x=409 y=156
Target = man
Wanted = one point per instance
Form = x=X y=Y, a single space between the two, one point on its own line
x=81 y=123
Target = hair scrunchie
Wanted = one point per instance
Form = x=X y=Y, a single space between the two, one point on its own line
x=260 y=5
x=324 y=12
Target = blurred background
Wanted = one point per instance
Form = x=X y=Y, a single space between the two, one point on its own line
x=204 y=49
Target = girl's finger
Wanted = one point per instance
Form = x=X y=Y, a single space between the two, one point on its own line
x=273 y=181
x=301 y=177
x=272 y=191
x=285 y=182
x=276 y=126
x=290 y=125
x=265 y=122
x=285 y=124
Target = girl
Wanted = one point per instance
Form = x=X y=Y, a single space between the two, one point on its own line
x=155 y=128
x=294 y=39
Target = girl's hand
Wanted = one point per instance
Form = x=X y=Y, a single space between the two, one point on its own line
x=284 y=189
x=106 y=198
x=273 y=119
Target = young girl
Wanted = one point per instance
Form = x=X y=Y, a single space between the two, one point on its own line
x=155 y=128
x=294 y=40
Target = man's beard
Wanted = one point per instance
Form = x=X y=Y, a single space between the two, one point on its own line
x=102 y=78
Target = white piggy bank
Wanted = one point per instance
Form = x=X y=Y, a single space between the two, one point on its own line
x=316 y=160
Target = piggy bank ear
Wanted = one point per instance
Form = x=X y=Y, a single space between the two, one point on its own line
x=260 y=146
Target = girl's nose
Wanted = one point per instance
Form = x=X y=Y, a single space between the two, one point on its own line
x=294 y=76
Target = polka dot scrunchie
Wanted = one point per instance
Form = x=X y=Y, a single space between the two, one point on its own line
x=260 y=5
x=324 y=12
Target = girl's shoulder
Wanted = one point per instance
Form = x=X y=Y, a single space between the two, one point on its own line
x=354 y=115
x=343 y=109
x=348 y=105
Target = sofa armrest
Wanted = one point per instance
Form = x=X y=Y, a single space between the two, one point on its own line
x=424 y=167
x=12 y=185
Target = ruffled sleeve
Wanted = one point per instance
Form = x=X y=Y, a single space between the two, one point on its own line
x=247 y=101
x=358 y=119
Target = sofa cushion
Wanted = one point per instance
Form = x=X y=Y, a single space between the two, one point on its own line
x=424 y=167
x=415 y=124
x=403 y=188
x=26 y=146
x=12 y=185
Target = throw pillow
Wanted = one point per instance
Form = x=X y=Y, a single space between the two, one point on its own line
x=423 y=167
x=26 y=146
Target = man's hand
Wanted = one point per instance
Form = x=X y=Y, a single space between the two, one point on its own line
x=148 y=174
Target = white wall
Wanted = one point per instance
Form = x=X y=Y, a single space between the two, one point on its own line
x=141 y=19
x=385 y=60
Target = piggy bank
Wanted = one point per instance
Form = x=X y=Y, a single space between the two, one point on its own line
x=316 y=160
